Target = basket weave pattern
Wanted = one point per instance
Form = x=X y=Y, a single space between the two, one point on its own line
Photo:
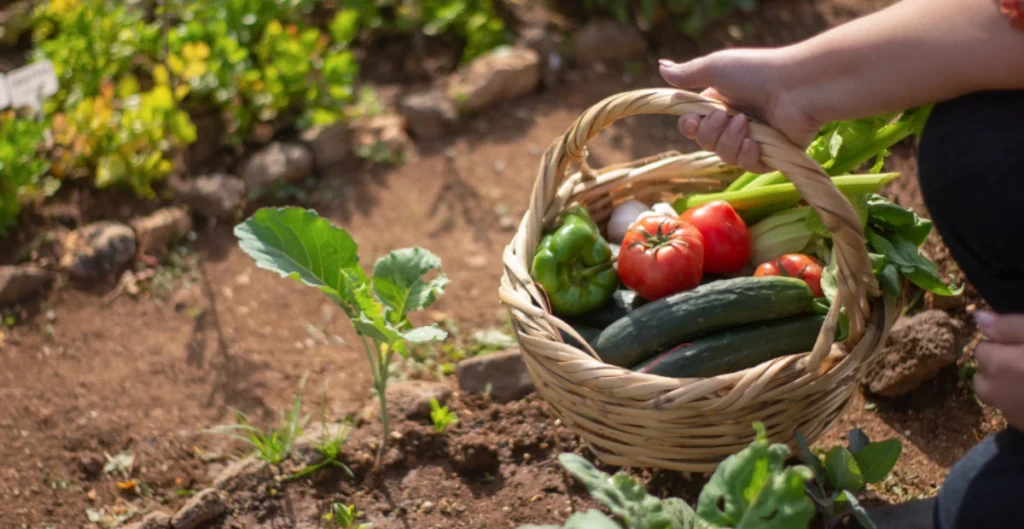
x=692 y=424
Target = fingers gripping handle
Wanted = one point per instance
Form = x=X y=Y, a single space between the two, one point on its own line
x=853 y=267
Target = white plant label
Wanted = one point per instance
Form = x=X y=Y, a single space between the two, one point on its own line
x=5 y=92
x=31 y=84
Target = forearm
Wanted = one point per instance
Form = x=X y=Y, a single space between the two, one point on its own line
x=912 y=53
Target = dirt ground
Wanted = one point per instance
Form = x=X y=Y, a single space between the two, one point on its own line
x=86 y=374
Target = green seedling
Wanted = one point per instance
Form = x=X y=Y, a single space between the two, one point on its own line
x=274 y=445
x=441 y=416
x=345 y=516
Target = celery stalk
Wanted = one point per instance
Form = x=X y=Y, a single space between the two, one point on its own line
x=742 y=181
x=781 y=193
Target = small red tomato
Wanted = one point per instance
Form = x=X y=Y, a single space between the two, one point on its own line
x=661 y=255
x=795 y=265
x=727 y=244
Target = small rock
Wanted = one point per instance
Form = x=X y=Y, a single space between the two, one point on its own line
x=154 y=232
x=916 y=350
x=275 y=163
x=608 y=40
x=504 y=371
x=474 y=452
x=91 y=465
x=98 y=249
x=500 y=75
x=216 y=196
x=19 y=282
x=156 y=520
x=386 y=130
x=507 y=222
x=201 y=508
x=245 y=474
x=411 y=398
x=476 y=261
x=51 y=316
x=428 y=113
x=329 y=143
x=426 y=507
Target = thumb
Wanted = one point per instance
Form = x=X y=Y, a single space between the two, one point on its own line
x=693 y=74
x=1001 y=328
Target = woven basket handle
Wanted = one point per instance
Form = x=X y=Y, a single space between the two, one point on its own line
x=853 y=267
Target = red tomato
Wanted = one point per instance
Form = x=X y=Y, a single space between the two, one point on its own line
x=727 y=244
x=795 y=265
x=661 y=255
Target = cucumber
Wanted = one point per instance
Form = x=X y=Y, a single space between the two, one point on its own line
x=622 y=303
x=736 y=349
x=679 y=318
x=588 y=334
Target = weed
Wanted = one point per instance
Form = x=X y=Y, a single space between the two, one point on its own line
x=273 y=446
x=328 y=445
x=441 y=416
x=344 y=516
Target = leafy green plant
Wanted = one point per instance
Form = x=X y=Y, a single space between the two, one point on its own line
x=441 y=416
x=299 y=244
x=20 y=164
x=328 y=445
x=750 y=489
x=345 y=516
x=692 y=15
x=275 y=445
x=846 y=471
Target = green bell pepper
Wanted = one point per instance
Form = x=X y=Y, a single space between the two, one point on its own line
x=574 y=265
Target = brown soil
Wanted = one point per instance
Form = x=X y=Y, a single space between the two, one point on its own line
x=146 y=374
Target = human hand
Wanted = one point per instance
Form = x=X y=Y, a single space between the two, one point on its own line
x=756 y=81
x=1000 y=379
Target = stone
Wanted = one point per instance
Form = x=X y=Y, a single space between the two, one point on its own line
x=500 y=75
x=217 y=196
x=411 y=398
x=474 y=453
x=98 y=249
x=156 y=520
x=385 y=132
x=608 y=40
x=329 y=143
x=504 y=372
x=154 y=232
x=246 y=474
x=428 y=113
x=275 y=164
x=201 y=508
x=19 y=282
x=916 y=350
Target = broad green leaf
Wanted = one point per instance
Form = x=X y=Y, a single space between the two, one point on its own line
x=753 y=489
x=876 y=460
x=842 y=469
x=592 y=519
x=299 y=244
x=377 y=329
x=811 y=459
x=857 y=441
x=890 y=280
x=627 y=499
x=858 y=512
x=398 y=281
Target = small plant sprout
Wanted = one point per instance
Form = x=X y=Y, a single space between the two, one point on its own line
x=345 y=516
x=275 y=445
x=300 y=244
x=441 y=416
x=329 y=445
x=846 y=471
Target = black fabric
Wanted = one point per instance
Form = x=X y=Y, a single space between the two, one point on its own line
x=985 y=489
x=971 y=165
x=971 y=169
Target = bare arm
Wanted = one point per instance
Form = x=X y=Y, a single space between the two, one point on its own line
x=909 y=54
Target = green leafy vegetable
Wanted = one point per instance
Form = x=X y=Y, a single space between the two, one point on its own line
x=842 y=469
x=752 y=489
x=301 y=245
x=876 y=460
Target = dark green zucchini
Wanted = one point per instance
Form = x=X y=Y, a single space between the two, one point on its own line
x=588 y=334
x=679 y=318
x=736 y=349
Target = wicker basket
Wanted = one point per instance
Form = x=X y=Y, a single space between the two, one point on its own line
x=692 y=424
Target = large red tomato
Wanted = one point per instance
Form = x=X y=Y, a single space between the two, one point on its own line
x=795 y=265
x=661 y=255
x=727 y=243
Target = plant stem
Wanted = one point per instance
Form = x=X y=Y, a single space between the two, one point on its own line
x=380 y=382
x=752 y=197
